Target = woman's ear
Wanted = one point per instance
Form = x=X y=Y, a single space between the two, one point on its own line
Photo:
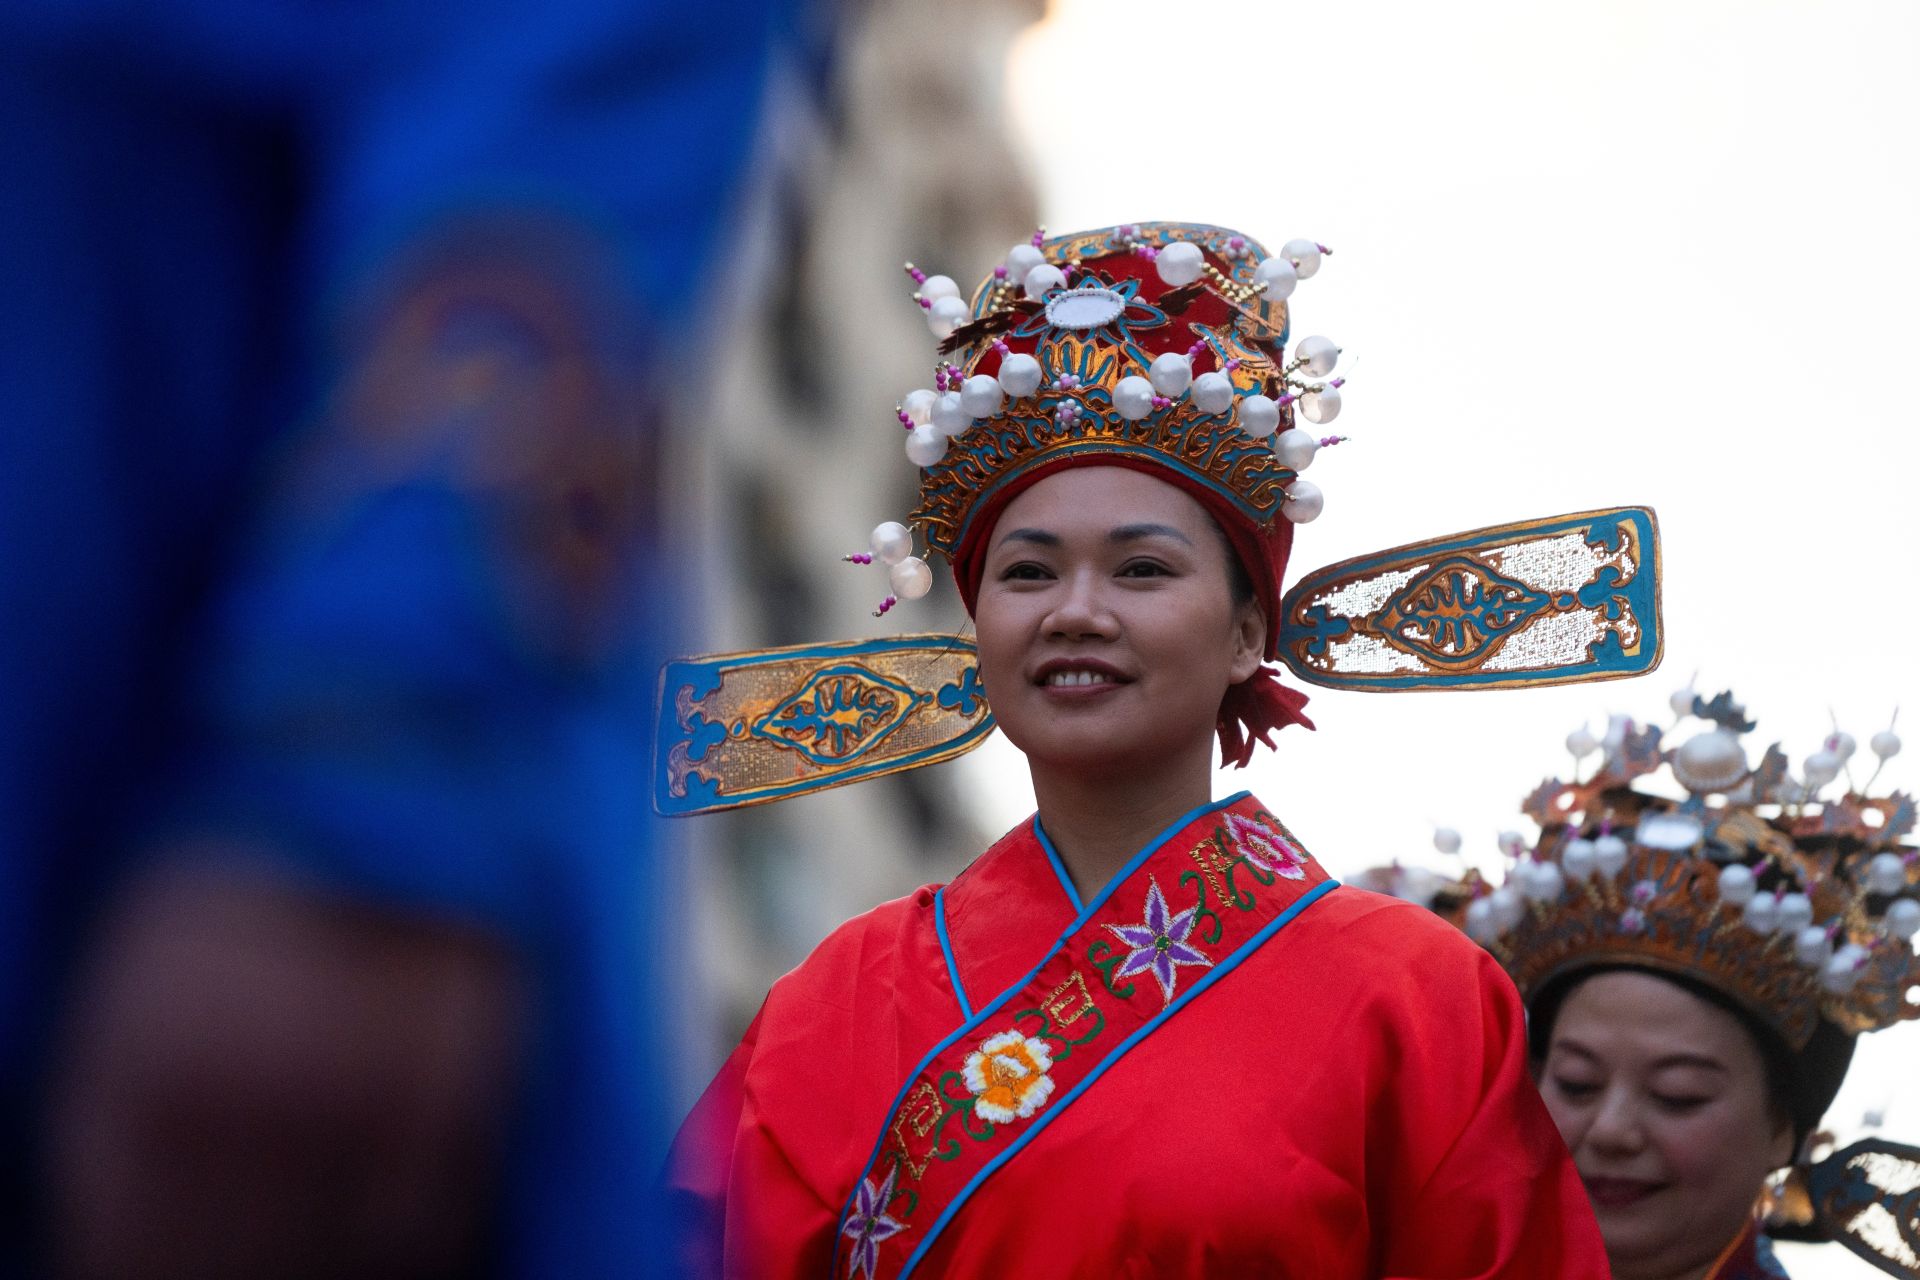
x=1249 y=641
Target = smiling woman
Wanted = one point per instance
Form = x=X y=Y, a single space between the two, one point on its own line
x=1144 y=1033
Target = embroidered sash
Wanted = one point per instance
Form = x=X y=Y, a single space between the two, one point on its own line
x=1181 y=915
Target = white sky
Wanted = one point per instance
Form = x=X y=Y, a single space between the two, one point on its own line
x=1664 y=253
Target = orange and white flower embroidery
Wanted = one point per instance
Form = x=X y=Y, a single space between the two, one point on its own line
x=1008 y=1077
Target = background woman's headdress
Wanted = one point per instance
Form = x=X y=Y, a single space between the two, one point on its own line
x=1162 y=347
x=1794 y=899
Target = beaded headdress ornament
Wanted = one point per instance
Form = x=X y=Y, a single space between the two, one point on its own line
x=1797 y=903
x=1797 y=898
x=1162 y=347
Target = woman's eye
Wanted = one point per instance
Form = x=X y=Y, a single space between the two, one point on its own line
x=1144 y=569
x=1025 y=571
x=1575 y=1090
x=1680 y=1104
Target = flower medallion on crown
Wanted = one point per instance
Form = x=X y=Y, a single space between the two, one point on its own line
x=1008 y=1077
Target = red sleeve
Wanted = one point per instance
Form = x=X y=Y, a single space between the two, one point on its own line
x=700 y=1163
x=1498 y=1196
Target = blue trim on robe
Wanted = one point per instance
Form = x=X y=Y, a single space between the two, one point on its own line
x=1059 y=867
x=1146 y=1029
x=946 y=949
x=1000 y=1000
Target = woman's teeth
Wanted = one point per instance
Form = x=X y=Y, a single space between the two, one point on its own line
x=1070 y=678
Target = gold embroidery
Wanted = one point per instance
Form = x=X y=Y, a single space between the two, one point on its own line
x=920 y=1113
x=1212 y=863
x=1068 y=1002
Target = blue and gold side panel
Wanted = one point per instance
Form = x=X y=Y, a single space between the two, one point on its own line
x=1553 y=601
x=735 y=729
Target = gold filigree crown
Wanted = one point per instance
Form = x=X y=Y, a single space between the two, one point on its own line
x=1797 y=907
x=1161 y=343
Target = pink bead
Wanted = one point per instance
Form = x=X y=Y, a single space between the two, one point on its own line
x=1286 y=399
x=1039 y=237
x=1329 y=441
x=1232 y=365
x=1000 y=346
x=925 y=304
x=999 y=273
x=1338 y=382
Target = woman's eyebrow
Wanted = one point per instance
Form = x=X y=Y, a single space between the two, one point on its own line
x=1040 y=536
x=1690 y=1060
x=1133 y=532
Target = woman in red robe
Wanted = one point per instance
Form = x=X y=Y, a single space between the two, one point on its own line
x=1144 y=1034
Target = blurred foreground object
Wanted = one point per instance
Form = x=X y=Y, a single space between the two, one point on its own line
x=332 y=351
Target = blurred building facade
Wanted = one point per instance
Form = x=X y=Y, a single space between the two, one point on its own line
x=791 y=455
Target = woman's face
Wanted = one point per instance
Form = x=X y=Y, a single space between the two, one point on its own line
x=1107 y=626
x=1662 y=1098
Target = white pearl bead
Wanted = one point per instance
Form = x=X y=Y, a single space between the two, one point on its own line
x=1712 y=761
x=1019 y=375
x=1171 y=374
x=1811 y=946
x=949 y=414
x=1578 y=859
x=1762 y=913
x=1821 y=768
x=947 y=315
x=926 y=445
x=1295 y=448
x=1213 y=392
x=918 y=405
x=1886 y=874
x=1133 y=397
x=911 y=578
x=1737 y=884
x=1542 y=881
x=1021 y=259
x=981 y=396
x=1446 y=840
x=1903 y=919
x=1279 y=276
x=1481 y=925
x=1321 y=406
x=1317 y=355
x=1304 y=502
x=1842 y=972
x=1179 y=263
x=934 y=288
x=1507 y=907
x=1610 y=855
x=1681 y=701
x=1842 y=745
x=1885 y=744
x=1796 y=913
x=1581 y=743
x=1042 y=278
x=891 y=542
x=1304 y=252
x=1259 y=415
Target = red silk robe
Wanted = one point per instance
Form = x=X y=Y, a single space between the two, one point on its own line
x=1346 y=1097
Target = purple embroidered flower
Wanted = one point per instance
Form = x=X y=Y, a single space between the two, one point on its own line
x=1159 y=942
x=1266 y=848
x=869 y=1224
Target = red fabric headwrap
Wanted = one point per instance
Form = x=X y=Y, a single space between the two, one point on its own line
x=1253 y=709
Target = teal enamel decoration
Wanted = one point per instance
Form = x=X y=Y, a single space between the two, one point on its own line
x=1867 y=1197
x=746 y=728
x=1570 y=598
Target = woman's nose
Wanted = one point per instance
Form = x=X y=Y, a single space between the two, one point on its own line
x=1618 y=1125
x=1081 y=608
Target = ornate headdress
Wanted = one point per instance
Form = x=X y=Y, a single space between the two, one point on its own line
x=1793 y=899
x=1161 y=347
x=1798 y=905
